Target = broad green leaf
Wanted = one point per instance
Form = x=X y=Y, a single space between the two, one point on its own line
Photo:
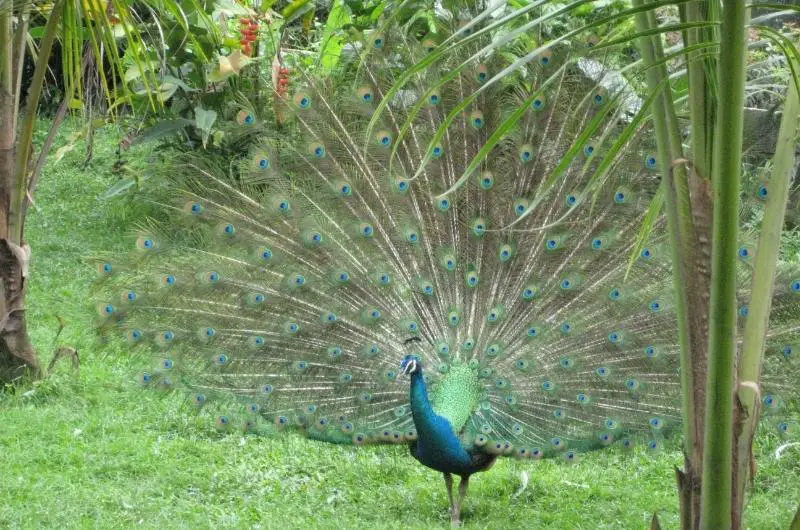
x=296 y=9
x=177 y=82
x=332 y=40
x=120 y=186
x=164 y=128
x=166 y=91
x=204 y=120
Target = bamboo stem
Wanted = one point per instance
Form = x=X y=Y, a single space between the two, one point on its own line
x=727 y=158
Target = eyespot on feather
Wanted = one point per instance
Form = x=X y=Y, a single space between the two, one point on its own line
x=194 y=208
x=378 y=40
x=316 y=150
x=244 y=117
x=134 y=335
x=525 y=153
x=262 y=161
x=302 y=100
x=600 y=96
x=545 y=57
x=383 y=138
x=365 y=94
x=146 y=243
x=478 y=226
x=481 y=73
x=105 y=268
x=165 y=338
x=106 y=309
x=476 y=119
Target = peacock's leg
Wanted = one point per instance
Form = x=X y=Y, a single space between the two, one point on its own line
x=462 y=492
x=448 y=480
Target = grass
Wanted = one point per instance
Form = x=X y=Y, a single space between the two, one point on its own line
x=90 y=451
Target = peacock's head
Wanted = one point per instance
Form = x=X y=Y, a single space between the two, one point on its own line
x=411 y=364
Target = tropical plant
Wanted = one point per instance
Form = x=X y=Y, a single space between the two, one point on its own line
x=105 y=34
x=248 y=53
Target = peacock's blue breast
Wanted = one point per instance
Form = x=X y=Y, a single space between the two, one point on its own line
x=438 y=447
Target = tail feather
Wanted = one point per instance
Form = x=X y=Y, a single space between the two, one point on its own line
x=286 y=291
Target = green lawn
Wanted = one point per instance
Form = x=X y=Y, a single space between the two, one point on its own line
x=92 y=451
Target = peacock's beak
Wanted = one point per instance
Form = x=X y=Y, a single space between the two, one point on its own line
x=408 y=368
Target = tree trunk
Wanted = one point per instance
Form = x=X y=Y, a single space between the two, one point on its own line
x=17 y=355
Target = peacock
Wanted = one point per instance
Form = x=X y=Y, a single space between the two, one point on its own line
x=369 y=274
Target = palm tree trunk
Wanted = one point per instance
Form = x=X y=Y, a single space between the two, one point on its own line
x=17 y=354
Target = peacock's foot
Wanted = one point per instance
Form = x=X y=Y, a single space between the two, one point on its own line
x=455 y=516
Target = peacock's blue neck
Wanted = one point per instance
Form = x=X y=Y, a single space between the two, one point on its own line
x=421 y=408
x=437 y=446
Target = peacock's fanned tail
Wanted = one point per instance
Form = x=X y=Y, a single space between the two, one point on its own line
x=286 y=291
